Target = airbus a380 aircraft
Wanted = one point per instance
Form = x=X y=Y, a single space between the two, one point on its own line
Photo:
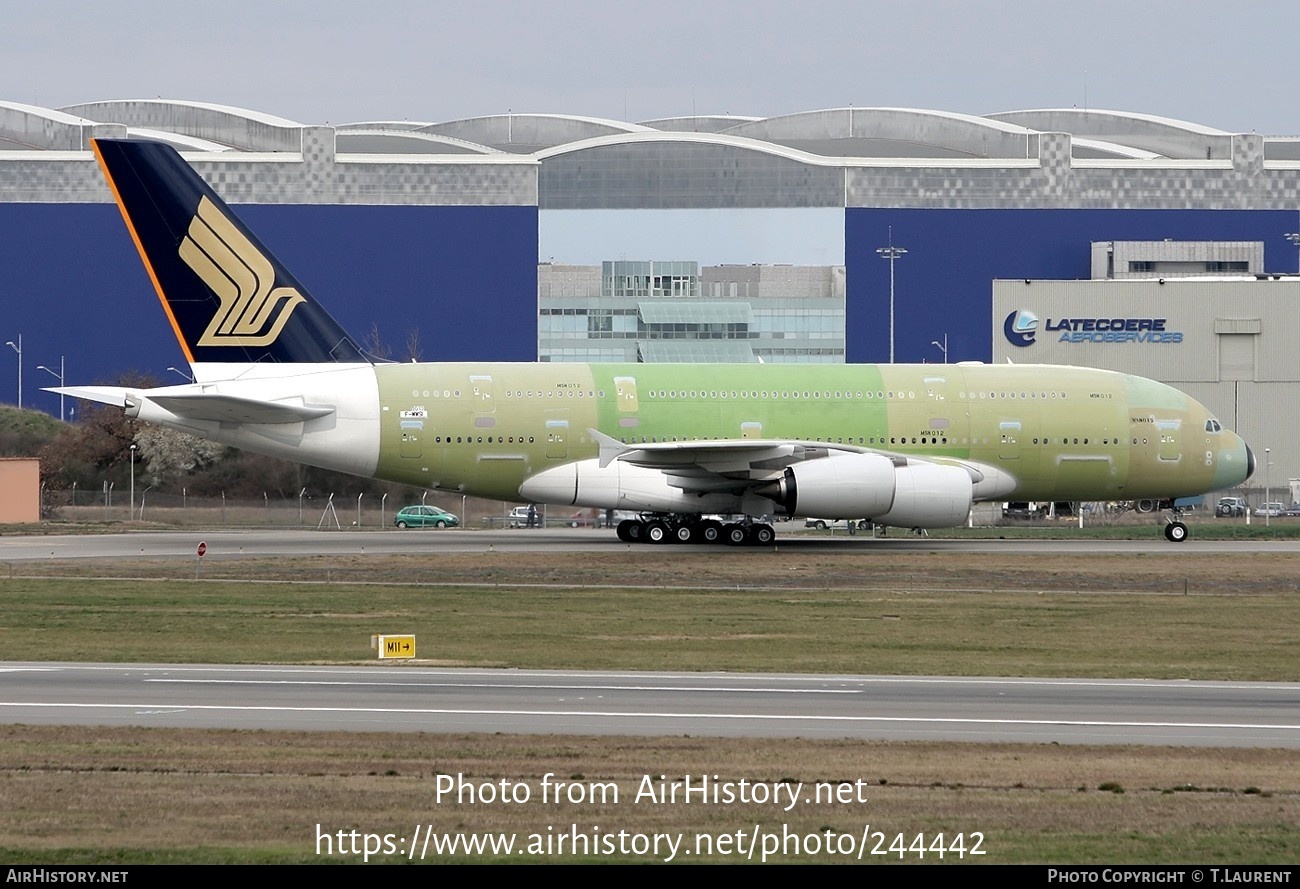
x=904 y=445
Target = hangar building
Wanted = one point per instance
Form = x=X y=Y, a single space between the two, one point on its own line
x=423 y=237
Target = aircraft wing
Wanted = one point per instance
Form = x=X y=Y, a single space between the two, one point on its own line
x=183 y=402
x=739 y=464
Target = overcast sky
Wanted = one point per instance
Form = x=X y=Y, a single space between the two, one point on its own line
x=1230 y=66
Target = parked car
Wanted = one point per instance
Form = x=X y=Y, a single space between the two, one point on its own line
x=424 y=517
x=1272 y=509
x=1231 y=507
x=525 y=517
x=843 y=524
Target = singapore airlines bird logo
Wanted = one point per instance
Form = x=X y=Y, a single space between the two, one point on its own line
x=251 y=312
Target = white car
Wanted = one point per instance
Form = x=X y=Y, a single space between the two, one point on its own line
x=518 y=517
x=842 y=524
x=1270 y=510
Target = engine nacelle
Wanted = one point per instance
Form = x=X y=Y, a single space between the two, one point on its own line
x=619 y=486
x=928 y=495
x=844 y=486
x=871 y=486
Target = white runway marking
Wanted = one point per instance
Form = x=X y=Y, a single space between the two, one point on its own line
x=767 y=717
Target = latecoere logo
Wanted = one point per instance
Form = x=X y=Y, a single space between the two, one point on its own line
x=1020 y=327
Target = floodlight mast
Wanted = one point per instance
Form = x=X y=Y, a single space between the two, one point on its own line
x=892 y=254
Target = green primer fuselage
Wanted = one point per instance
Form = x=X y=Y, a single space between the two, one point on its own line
x=1063 y=433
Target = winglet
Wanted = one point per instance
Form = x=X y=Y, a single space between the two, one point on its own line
x=610 y=448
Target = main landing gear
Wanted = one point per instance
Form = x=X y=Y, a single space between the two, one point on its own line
x=694 y=529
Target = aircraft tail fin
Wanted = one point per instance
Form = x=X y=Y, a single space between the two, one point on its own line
x=228 y=298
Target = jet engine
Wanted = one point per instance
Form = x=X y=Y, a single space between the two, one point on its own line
x=871 y=486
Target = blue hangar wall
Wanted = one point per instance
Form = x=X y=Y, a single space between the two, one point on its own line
x=944 y=284
x=73 y=285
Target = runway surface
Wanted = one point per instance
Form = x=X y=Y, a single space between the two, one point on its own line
x=385 y=698
x=564 y=702
x=234 y=544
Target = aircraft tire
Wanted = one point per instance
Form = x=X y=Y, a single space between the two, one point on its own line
x=657 y=532
x=709 y=532
x=685 y=533
x=734 y=535
x=762 y=535
x=629 y=530
x=1175 y=532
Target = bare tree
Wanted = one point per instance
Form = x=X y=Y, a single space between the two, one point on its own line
x=374 y=343
x=414 y=351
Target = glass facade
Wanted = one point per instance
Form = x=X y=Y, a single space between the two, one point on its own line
x=676 y=311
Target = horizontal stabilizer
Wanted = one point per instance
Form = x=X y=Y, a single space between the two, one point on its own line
x=102 y=394
x=228 y=408
x=200 y=405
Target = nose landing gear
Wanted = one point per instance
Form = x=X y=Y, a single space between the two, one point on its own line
x=1175 y=528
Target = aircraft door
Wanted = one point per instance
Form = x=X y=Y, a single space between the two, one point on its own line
x=483 y=403
x=410 y=445
x=626 y=402
x=411 y=431
x=557 y=435
x=1168 y=430
x=1009 y=439
x=625 y=387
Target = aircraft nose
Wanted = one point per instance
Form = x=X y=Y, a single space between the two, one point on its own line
x=1250 y=462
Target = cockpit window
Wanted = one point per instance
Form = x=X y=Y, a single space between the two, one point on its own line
x=1213 y=426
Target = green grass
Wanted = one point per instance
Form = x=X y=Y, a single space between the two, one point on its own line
x=36 y=425
x=105 y=795
x=114 y=794
x=1245 y=636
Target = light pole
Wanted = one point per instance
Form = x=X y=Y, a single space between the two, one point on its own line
x=1294 y=238
x=1268 y=494
x=131 y=512
x=892 y=254
x=943 y=347
x=182 y=373
x=59 y=377
x=18 y=347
